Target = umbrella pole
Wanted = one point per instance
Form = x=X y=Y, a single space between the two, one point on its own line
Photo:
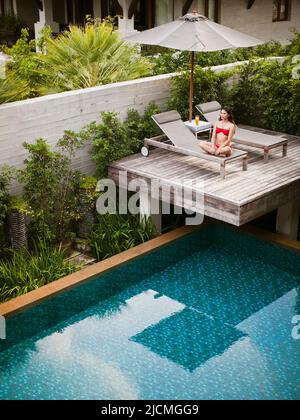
x=192 y=86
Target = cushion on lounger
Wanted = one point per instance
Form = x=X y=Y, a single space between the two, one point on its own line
x=209 y=107
x=166 y=117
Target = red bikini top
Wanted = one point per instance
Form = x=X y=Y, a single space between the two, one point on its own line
x=223 y=130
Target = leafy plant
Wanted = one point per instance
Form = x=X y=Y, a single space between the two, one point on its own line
x=18 y=205
x=208 y=86
x=50 y=186
x=273 y=96
x=88 y=184
x=169 y=61
x=114 y=139
x=138 y=127
x=86 y=204
x=66 y=207
x=25 y=271
x=6 y=174
x=79 y=58
x=109 y=141
x=23 y=72
x=115 y=233
x=250 y=110
x=90 y=56
x=294 y=47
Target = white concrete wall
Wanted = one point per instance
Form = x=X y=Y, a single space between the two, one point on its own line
x=258 y=20
x=49 y=116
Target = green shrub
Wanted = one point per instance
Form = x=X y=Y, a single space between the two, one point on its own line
x=243 y=97
x=24 y=271
x=50 y=186
x=6 y=174
x=138 y=127
x=115 y=233
x=294 y=47
x=113 y=139
x=86 y=199
x=169 y=61
x=109 y=141
x=208 y=86
x=268 y=96
x=23 y=72
x=18 y=205
x=79 y=58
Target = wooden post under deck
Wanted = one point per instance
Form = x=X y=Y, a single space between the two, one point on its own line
x=288 y=220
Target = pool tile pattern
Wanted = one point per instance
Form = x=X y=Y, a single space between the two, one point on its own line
x=208 y=317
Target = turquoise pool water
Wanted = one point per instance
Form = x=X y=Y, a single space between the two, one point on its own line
x=208 y=317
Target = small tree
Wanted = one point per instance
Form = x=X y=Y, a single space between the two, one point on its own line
x=49 y=185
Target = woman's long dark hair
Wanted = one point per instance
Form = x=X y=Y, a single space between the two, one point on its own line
x=230 y=115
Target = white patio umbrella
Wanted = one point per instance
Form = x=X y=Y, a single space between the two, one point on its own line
x=195 y=33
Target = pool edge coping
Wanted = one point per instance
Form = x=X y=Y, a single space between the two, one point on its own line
x=275 y=238
x=64 y=284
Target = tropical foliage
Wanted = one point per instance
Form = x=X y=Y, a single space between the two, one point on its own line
x=169 y=61
x=115 y=233
x=79 y=58
x=208 y=86
x=273 y=96
x=24 y=74
x=6 y=174
x=56 y=200
x=294 y=47
x=25 y=271
x=113 y=139
x=50 y=185
x=90 y=56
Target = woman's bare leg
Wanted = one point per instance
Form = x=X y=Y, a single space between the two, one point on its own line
x=226 y=152
x=208 y=147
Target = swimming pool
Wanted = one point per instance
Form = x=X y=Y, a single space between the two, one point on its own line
x=207 y=317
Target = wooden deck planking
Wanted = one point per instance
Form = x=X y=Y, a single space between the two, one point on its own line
x=241 y=196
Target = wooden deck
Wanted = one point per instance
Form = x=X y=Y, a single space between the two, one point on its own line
x=238 y=199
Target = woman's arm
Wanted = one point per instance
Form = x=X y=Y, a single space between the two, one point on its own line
x=214 y=135
x=231 y=133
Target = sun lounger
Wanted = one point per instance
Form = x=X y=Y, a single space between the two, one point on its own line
x=266 y=142
x=178 y=138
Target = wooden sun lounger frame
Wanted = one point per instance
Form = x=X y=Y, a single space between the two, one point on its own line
x=163 y=142
x=266 y=149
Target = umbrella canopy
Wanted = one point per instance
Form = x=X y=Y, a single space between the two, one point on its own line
x=195 y=33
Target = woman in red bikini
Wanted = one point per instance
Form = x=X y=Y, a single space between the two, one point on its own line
x=224 y=130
